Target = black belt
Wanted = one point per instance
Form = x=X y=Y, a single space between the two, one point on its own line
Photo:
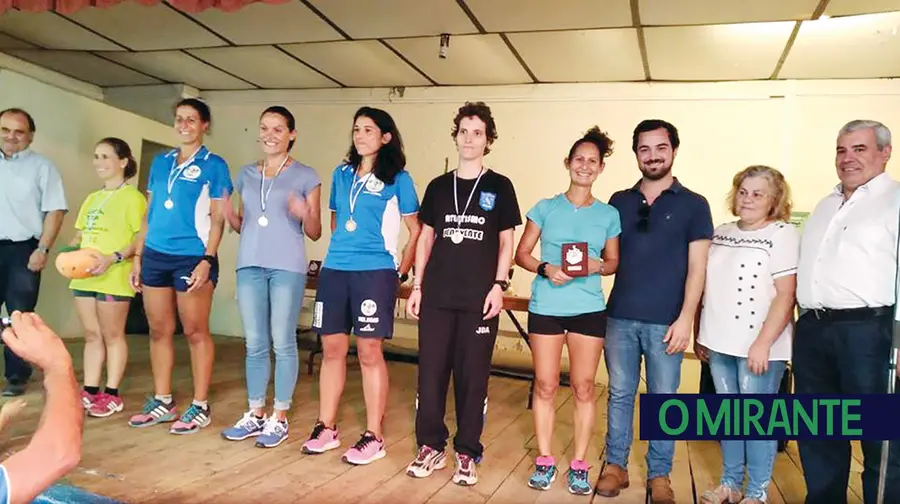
x=848 y=314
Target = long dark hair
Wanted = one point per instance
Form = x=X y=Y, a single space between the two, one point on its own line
x=123 y=150
x=390 y=159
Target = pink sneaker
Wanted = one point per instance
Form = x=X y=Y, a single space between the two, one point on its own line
x=321 y=440
x=87 y=400
x=367 y=450
x=105 y=405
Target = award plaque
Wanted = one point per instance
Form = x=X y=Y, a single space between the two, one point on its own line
x=575 y=259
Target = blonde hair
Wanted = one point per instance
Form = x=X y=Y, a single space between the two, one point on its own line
x=781 y=191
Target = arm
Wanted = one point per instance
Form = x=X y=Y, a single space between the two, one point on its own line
x=610 y=258
x=333 y=221
x=55 y=448
x=412 y=244
x=698 y=253
x=530 y=237
x=504 y=259
x=312 y=225
x=76 y=240
x=781 y=310
x=423 y=251
x=52 y=223
x=235 y=219
x=217 y=226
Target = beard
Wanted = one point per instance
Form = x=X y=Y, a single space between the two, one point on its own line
x=657 y=171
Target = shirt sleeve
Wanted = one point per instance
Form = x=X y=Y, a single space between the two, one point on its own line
x=537 y=214
x=220 y=185
x=406 y=194
x=239 y=181
x=4 y=485
x=785 y=255
x=137 y=207
x=53 y=195
x=332 y=198
x=426 y=212
x=82 y=213
x=510 y=215
x=156 y=171
x=701 y=227
x=310 y=182
x=614 y=226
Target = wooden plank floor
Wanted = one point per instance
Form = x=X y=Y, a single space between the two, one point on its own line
x=149 y=465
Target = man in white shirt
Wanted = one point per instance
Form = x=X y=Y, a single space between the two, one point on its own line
x=55 y=447
x=32 y=206
x=846 y=292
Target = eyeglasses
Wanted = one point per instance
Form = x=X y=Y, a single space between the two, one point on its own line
x=643 y=224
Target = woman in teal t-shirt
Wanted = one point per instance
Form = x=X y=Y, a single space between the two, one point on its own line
x=569 y=307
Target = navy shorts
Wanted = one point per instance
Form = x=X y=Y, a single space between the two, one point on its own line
x=100 y=296
x=166 y=270
x=361 y=301
x=588 y=324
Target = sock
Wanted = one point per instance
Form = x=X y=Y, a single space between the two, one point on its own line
x=202 y=404
x=112 y=391
x=167 y=399
x=579 y=465
x=258 y=417
x=92 y=390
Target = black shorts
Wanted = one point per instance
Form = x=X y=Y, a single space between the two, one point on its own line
x=361 y=301
x=589 y=324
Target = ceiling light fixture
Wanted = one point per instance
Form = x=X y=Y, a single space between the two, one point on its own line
x=445 y=45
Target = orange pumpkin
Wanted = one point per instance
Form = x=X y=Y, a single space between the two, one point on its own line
x=77 y=263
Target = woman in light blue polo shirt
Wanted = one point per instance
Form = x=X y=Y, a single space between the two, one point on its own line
x=279 y=206
x=371 y=194
x=569 y=308
x=176 y=264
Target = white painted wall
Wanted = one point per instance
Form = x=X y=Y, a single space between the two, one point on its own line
x=68 y=126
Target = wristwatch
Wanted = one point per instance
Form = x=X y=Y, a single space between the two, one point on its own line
x=542 y=269
x=210 y=259
x=404 y=277
x=43 y=249
x=119 y=257
x=503 y=284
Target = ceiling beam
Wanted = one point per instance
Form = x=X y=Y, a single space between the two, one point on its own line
x=238 y=77
x=817 y=13
x=325 y=18
x=410 y=63
x=642 y=44
x=307 y=65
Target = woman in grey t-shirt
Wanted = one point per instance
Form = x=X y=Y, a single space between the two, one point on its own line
x=279 y=207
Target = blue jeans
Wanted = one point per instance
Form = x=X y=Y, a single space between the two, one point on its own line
x=270 y=301
x=626 y=342
x=732 y=376
x=19 y=288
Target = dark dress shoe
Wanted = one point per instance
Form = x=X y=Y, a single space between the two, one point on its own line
x=14 y=389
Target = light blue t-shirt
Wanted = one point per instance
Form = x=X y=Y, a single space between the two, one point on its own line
x=30 y=186
x=280 y=244
x=377 y=213
x=184 y=228
x=4 y=486
x=561 y=222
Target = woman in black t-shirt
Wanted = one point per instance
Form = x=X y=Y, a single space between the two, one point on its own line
x=464 y=253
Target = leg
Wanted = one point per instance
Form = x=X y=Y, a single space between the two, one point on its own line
x=663 y=377
x=22 y=289
x=286 y=293
x=584 y=357
x=112 y=315
x=725 y=376
x=546 y=351
x=375 y=381
x=159 y=305
x=332 y=375
x=472 y=356
x=826 y=462
x=437 y=339
x=760 y=454
x=94 y=349
x=623 y=362
x=253 y=302
x=193 y=309
x=863 y=353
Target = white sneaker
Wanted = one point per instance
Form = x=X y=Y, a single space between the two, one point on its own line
x=465 y=474
x=427 y=461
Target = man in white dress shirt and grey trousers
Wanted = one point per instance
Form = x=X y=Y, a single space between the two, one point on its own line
x=846 y=292
x=32 y=207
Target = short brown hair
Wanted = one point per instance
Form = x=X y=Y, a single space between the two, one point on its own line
x=781 y=191
x=481 y=111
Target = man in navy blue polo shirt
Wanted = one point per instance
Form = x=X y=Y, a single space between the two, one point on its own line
x=666 y=231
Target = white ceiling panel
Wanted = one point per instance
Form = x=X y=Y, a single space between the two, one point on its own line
x=471 y=60
x=851 y=7
x=361 y=63
x=714 y=53
x=176 y=66
x=146 y=28
x=52 y=31
x=264 y=66
x=85 y=66
x=264 y=23
x=846 y=47
x=539 y=15
x=572 y=56
x=8 y=42
x=396 y=18
x=693 y=12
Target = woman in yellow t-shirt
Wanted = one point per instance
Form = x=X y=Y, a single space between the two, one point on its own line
x=108 y=221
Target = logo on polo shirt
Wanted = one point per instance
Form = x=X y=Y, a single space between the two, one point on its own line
x=192 y=172
x=374 y=185
x=487 y=200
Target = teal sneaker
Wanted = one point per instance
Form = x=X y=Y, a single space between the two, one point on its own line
x=544 y=473
x=579 y=484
